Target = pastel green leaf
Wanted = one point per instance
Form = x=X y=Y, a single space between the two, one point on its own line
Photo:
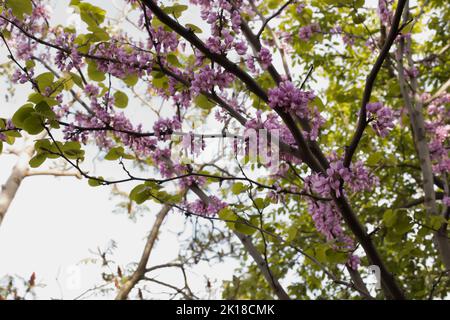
x=120 y=99
x=20 y=7
x=33 y=124
x=44 y=81
x=37 y=160
x=20 y=115
x=94 y=73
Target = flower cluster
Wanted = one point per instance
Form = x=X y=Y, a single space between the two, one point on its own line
x=103 y=117
x=91 y=91
x=70 y=58
x=357 y=178
x=164 y=127
x=306 y=32
x=121 y=60
x=438 y=130
x=290 y=99
x=21 y=77
x=325 y=215
x=327 y=221
x=213 y=207
x=384 y=12
x=206 y=78
x=265 y=57
x=381 y=117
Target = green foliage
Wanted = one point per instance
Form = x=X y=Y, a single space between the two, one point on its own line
x=32 y=119
x=175 y=10
x=46 y=149
x=93 y=16
x=203 y=102
x=20 y=7
x=94 y=73
x=237 y=223
x=120 y=99
x=117 y=153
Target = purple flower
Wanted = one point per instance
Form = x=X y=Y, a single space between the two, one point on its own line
x=446 y=201
x=91 y=90
x=288 y=98
x=163 y=128
x=210 y=209
x=240 y=47
x=383 y=11
x=382 y=118
x=305 y=33
x=265 y=57
x=300 y=7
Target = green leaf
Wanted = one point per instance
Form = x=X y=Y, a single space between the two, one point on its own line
x=335 y=257
x=292 y=233
x=72 y=150
x=33 y=124
x=238 y=188
x=375 y=158
x=20 y=7
x=131 y=79
x=43 y=145
x=140 y=193
x=403 y=224
x=227 y=214
x=93 y=16
x=173 y=60
x=44 y=110
x=203 y=102
x=194 y=28
x=114 y=153
x=359 y=3
x=30 y=64
x=160 y=82
x=76 y=79
x=260 y=203
x=244 y=226
x=37 y=160
x=1 y=146
x=94 y=73
x=176 y=10
x=21 y=114
x=436 y=221
x=389 y=218
x=98 y=34
x=358 y=18
x=44 y=81
x=120 y=99
x=95 y=182
x=36 y=97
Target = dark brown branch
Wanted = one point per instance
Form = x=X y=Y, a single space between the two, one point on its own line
x=277 y=13
x=220 y=59
x=362 y=120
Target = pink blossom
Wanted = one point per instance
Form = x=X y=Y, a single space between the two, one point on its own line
x=265 y=57
x=288 y=98
x=382 y=118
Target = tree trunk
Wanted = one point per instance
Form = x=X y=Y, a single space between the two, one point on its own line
x=19 y=172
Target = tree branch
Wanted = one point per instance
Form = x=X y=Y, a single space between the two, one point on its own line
x=140 y=271
x=370 y=81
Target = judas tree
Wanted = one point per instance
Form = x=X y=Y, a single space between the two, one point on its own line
x=352 y=93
